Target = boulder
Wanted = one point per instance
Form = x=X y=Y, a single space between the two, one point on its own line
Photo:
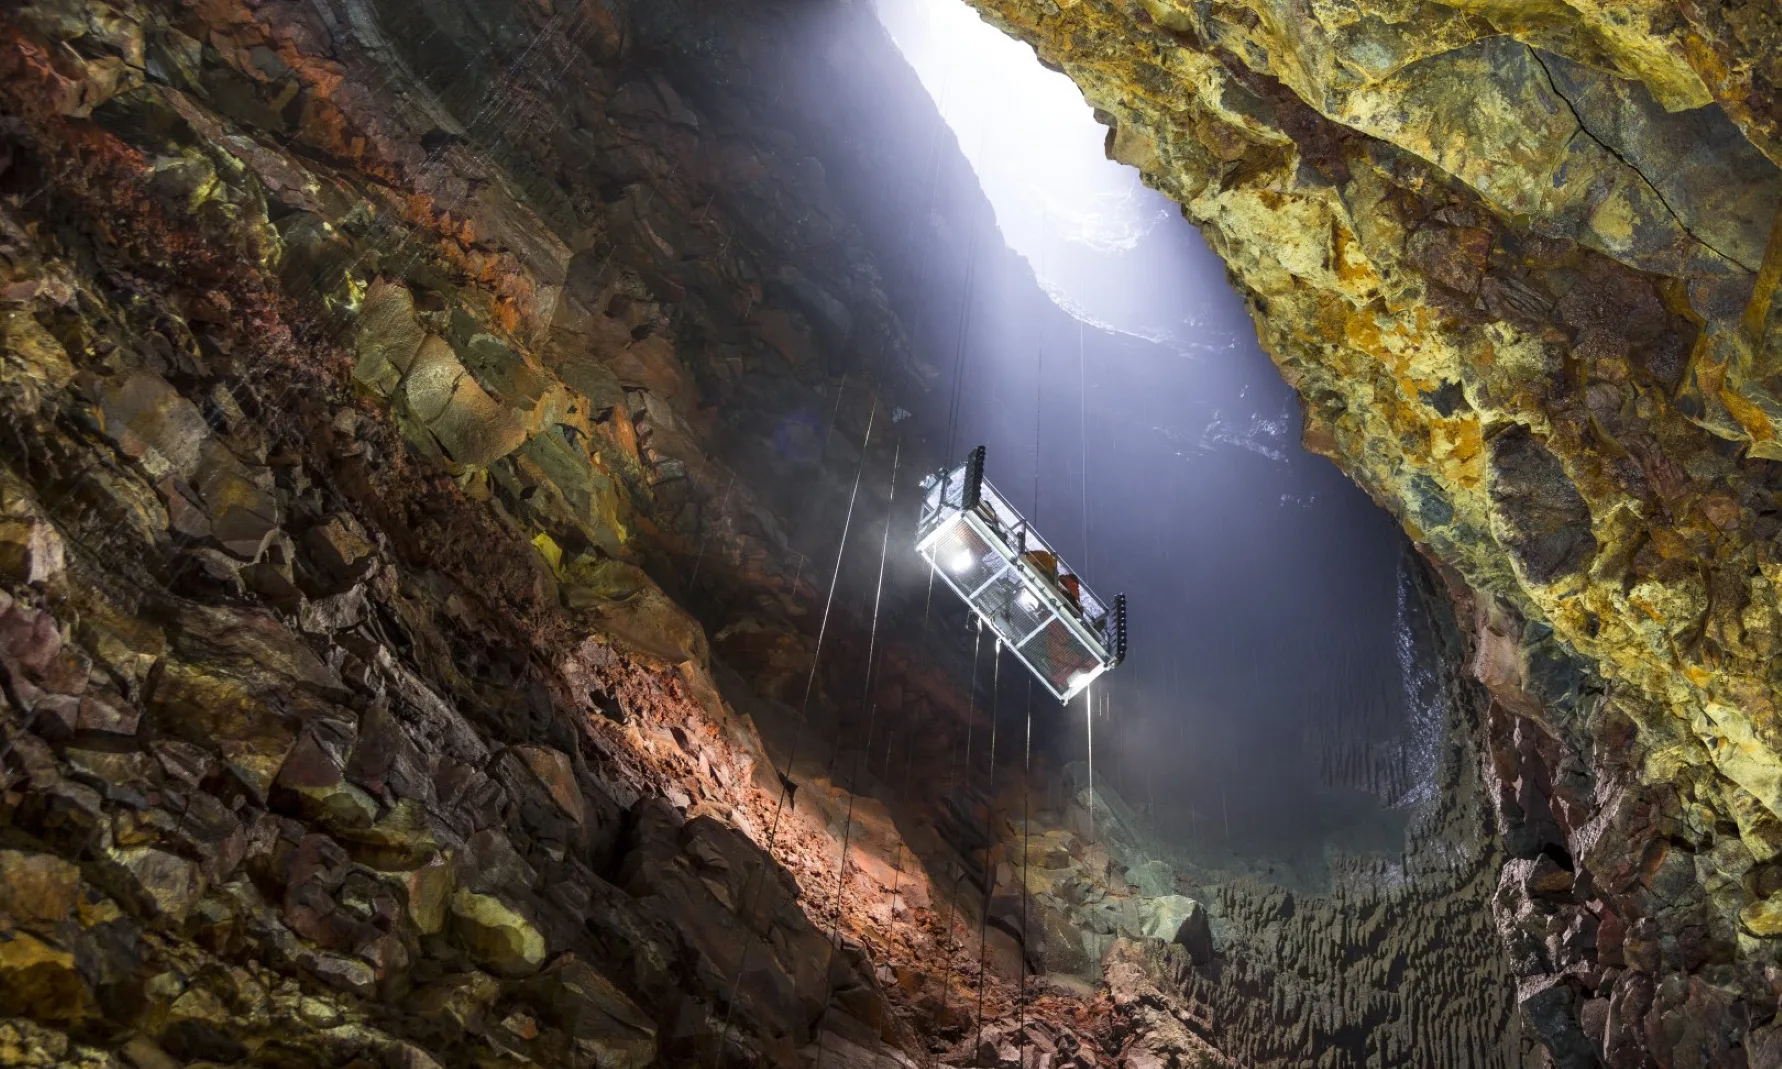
x=1764 y=917
x=162 y=884
x=553 y=769
x=36 y=888
x=472 y=427
x=149 y=420
x=496 y=934
x=605 y=1027
x=1181 y=920
x=31 y=550
x=387 y=336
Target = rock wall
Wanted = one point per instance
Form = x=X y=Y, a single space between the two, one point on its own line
x=387 y=655
x=363 y=366
x=428 y=428
x=1519 y=262
x=1393 y=961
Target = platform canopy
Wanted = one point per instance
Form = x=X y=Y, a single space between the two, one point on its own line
x=1016 y=583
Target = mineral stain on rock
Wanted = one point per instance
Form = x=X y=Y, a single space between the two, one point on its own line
x=396 y=585
x=1571 y=213
x=1546 y=521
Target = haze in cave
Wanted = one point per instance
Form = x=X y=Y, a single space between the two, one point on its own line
x=459 y=462
x=1264 y=708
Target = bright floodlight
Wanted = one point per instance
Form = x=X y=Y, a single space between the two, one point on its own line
x=1015 y=583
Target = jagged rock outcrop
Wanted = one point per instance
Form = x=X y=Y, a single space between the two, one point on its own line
x=361 y=381
x=1520 y=263
x=422 y=422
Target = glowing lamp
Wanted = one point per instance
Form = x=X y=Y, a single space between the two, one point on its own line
x=1013 y=582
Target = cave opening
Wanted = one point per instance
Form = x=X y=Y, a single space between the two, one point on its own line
x=1275 y=709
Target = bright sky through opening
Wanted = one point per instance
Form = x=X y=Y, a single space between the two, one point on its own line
x=1110 y=251
x=1028 y=134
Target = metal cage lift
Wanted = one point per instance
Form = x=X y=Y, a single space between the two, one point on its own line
x=1016 y=583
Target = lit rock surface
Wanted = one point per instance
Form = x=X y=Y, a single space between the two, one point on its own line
x=357 y=487
x=1520 y=262
x=391 y=667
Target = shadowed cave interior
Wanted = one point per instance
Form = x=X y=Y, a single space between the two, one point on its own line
x=459 y=468
x=1264 y=685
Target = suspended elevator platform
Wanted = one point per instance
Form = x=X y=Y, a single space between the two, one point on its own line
x=1016 y=583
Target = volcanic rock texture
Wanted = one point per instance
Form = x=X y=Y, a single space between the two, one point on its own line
x=1520 y=261
x=360 y=367
x=386 y=656
x=1398 y=963
x=428 y=427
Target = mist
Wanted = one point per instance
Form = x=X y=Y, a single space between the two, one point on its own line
x=1274 y=701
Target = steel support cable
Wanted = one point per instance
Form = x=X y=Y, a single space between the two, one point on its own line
x=1089 y=732
x=490 y=109
x=1039 y=426
x=705 y=533
x=872 y=716
x=1083 y=435
x=927 y=264
x=903 y=792
x=232 y=391
x=956 y=402
x=841 y=392
x=1026 y=836
x=971 y=709
x=104 y=551
x=496 y=98
x=989 y=842
x=496 y=95
x=928 y=600
x=961 y=333
x=934 y=169
x=785 y=777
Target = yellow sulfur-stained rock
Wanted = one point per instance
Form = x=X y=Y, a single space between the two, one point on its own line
x=496 y=934
x=1522 y=261
x=1763 y=918
x=38 y=980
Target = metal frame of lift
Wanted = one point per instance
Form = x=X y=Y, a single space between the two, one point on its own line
x=1101 y=634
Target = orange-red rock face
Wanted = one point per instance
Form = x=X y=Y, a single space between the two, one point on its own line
x=363 y=370
x=404 y=401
